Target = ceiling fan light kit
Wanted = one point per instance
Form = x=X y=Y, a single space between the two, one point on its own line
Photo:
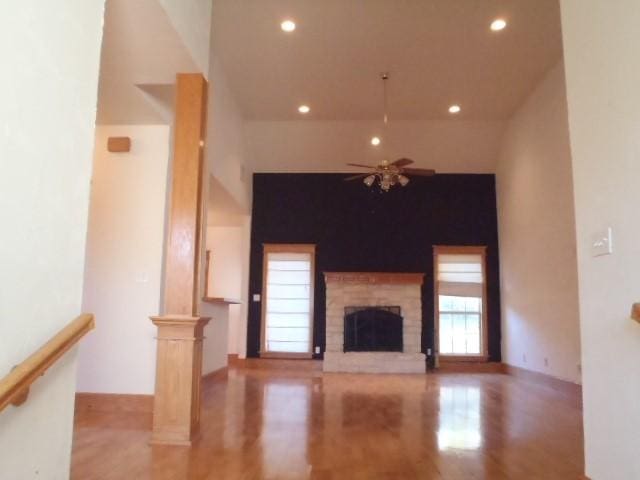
x=387 y=174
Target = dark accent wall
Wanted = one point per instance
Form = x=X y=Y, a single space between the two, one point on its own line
x=360 y=229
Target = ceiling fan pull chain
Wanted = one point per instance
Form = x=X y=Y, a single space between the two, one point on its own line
x=385 y=118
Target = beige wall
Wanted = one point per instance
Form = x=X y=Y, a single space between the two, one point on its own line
x=228 y=162
x=226 y=153
x=225 y=273
x=216 y=333
x=539 y=286
x=601 y=41
x=122 y=282
x=448 y=146
x=48 y=91
x=192 y=20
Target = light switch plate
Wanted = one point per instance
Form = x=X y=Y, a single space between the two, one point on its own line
x=142 y=277
x=602 y=243
x=256 y=297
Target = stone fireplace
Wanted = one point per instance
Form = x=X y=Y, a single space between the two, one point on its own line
x=375 y=298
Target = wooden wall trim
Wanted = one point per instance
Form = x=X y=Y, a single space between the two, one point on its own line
x=470 y=367
x=573 y=390
x=292 y=365
x=461 y=250
x=374 y=277
x=268 y=248
x=113 y=403
x=212 y=377
x=289 y=248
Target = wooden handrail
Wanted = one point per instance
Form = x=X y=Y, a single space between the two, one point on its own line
x=14 y=387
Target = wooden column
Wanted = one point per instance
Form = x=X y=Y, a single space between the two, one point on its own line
x=176 y=405
x=176 y=409
x=185 y=217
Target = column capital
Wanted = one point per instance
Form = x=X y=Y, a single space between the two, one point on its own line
x=179 y=320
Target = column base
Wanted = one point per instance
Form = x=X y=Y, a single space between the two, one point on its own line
x=176 y=405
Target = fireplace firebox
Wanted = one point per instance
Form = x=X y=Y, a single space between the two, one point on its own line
x=372 y=329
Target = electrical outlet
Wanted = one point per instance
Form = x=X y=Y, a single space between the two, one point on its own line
x=524 y=358
x=546 y=362
x=428 y=351
x=317 y=350
x=579 y=368
x=256 y=297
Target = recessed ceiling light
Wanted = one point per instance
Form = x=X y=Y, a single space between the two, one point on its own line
x=454 y=109
x=498 y=24
x=288 y=26
x=304 y=109
x=375 y=141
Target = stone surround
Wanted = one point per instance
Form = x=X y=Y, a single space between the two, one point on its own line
x=360 y=289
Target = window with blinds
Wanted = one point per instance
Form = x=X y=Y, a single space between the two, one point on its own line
x=288 y=308
x=460 y=301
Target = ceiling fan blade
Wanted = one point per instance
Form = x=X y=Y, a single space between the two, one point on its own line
x=356 y=177
x=421 y=172
x=401 y=162
x=359 y=165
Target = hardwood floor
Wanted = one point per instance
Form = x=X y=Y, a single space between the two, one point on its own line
x=285 y=424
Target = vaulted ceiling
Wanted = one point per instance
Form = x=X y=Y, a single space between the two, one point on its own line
x=438 y=52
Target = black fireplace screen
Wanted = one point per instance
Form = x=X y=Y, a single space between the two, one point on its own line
x=372 y=329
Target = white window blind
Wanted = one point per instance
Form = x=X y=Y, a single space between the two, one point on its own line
x=288 y=303
x=460 y=292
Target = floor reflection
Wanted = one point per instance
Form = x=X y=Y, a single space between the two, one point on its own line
x=285 y=430
x=459 y=418
x=279 y=424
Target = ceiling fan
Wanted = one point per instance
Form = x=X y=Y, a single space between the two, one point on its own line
x=388 y=173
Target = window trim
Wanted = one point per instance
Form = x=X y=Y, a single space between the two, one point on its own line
x=484 y=330
x=268 y=248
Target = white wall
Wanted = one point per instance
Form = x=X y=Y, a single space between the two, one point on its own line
x=48 y=102
x=216 y=333
x=225 y=273
x=124 y=260
x=452 y=146
x=601 y=41
x=539 y=277
x=192 y=20
x=228 y=162
x=226 y=153
x=225 y=276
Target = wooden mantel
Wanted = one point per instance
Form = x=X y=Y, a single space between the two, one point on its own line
x=382 y=278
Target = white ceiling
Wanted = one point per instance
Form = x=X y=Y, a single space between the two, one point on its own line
x=438 y=52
